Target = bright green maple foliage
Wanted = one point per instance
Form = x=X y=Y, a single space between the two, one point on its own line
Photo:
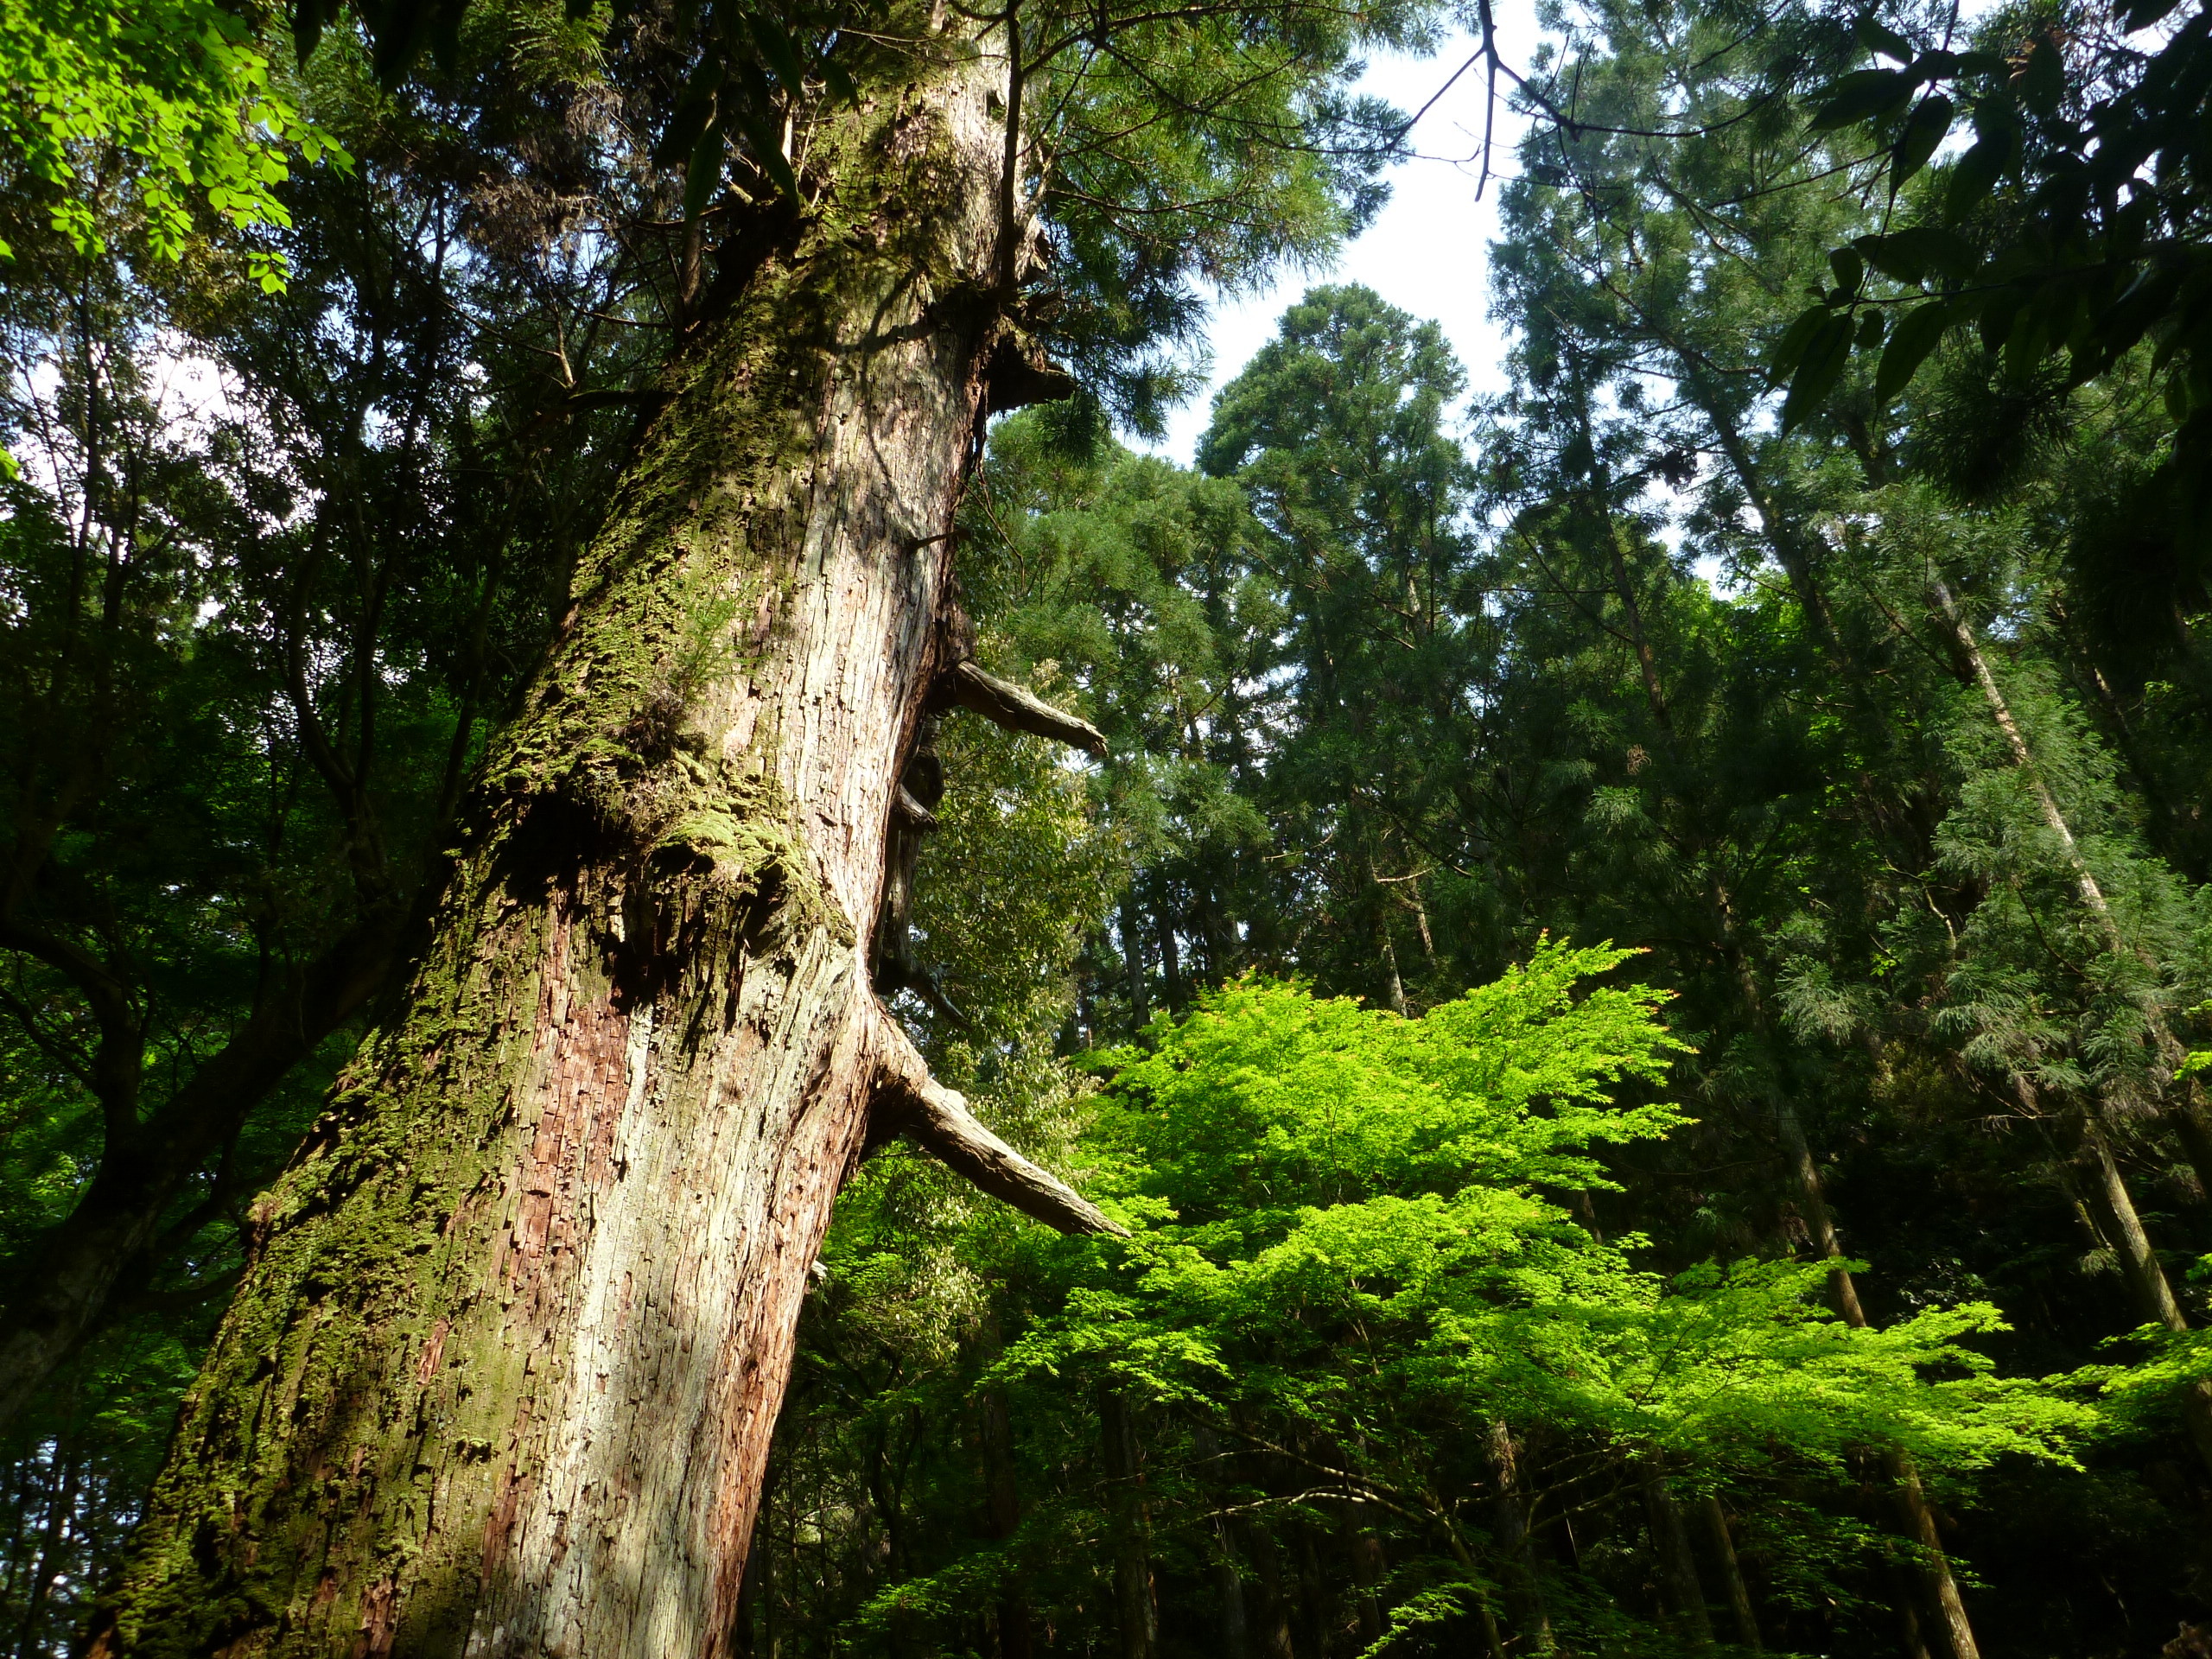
x=1354 y=1230
x=1341 y=1193
x=177 y=88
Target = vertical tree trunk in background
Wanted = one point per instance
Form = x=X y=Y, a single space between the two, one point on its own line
x=1228 y=1580
x=2183 y=1109
x=501 y=1378
x=1313 y=1597
x=1270 y=1620
x=1670 y=1542
x=1134 y=1608
x=1133 y=958
x=1939 y=1584
x=1170 y=958
x=1367 y=1570
x=1525 y=1594
x=1812 y=1196
x=2151 y=1290
x=1731 y=1572
x=1004 y=1500
x=47 y=1562
x=1912 y=1641
x=1229 y=1597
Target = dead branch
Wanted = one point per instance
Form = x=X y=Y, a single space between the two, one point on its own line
x=1003 y=704
x=913 y=810
x=935 y=1117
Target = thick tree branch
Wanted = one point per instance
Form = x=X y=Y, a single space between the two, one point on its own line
x=118 y=1062
x=935 y=1117
x=1004 y=703
x=67 y=1279
x=913 y=810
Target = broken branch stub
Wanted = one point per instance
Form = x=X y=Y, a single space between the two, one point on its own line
x=904 y=803
x=1004 y=703
x=937 y=1118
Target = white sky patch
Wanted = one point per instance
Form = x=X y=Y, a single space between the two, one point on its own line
x=192 y=392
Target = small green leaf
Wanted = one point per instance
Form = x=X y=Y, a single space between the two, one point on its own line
x=1915 y=336
x=839 y=83
x=1850 y=268
x=703 y=172
x=1974 y=177
x=1860 y=96
x=1877 y=36
x=2028 y=343
x=1789 y=350
x=1923 y=129
x=1870 y=328
x=777 y=52
x=2042 y=83
x=1823 y=366
x=767 y=153
x=2144 y=13
x=1922 y=250
x=2178 y=399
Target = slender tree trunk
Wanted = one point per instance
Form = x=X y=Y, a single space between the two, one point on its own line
x=46 y=1567
x=1365 y=1550
x=1912 y=1641
x=1133 y=959
x=1271 y=1623
x=502 y=1374
x=1137 y=1618
x=2184 y=1108
x=2149 y=1288
x=1229 y=1597
x=1670 y=1541
x=1812 y=1198
x=1731 y=1572
x=1235 y=1622
x=1919 y=1517
x=2122 y=1223
x=2179 y=1098
x=1313 y=1592
x=1004 y=1498
x=1525 y=1594
x=1940 y=1584
x=1171 y=957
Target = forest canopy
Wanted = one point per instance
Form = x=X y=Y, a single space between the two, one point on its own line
x=1565 y=1022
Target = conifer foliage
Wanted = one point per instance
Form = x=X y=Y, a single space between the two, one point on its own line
x=1625 y=970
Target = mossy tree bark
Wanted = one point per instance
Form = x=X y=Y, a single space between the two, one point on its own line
x=501 y=1378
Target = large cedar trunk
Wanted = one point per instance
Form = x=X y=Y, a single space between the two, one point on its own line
x=501 y=1378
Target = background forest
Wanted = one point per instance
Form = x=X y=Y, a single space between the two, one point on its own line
x=1632 y=970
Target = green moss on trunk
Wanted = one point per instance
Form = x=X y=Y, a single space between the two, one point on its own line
x=502 y=1373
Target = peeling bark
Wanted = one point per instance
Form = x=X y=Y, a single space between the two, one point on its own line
x=501 y=1377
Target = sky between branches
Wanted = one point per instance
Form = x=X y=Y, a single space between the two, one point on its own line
x=1428 y=252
